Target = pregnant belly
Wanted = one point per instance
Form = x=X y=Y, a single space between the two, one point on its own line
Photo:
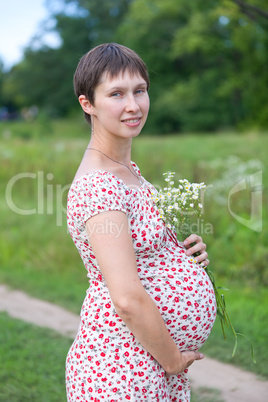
x=186 y=300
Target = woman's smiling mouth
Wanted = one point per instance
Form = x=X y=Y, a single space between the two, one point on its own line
x=132 y=122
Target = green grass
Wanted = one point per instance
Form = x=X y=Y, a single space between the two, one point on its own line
x=38 y=256
x=206 y=395
x=32 y=362
x=248 y=314
x=43 y=129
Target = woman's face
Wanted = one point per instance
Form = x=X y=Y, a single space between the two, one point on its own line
x=121 y=105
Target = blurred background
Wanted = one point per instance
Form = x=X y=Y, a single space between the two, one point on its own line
x=207 y=60
x=208 y=65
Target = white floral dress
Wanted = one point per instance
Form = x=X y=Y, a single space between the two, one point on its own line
x=106 y=362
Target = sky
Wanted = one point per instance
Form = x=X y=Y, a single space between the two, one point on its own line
x=19 y=22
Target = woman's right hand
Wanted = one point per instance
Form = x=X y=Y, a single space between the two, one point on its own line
x=187 y=358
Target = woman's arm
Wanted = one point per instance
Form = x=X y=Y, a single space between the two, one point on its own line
x=111 y=242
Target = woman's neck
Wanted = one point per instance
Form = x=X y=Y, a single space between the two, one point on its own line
x=118 y=149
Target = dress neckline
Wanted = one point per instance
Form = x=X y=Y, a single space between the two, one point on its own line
x=102 y=171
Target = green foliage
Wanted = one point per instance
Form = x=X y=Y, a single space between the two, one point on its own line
x=207 y=60
x=207 y=63
x=32 y=362
x=44 y=78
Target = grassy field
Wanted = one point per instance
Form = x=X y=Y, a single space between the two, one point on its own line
x=38 y=162
x=32 y=362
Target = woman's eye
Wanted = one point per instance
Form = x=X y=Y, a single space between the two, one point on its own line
x=139 y=91
x=115 y=94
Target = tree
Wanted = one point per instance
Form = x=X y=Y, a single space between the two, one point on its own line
x=101 y=19
x=44 y=77
x=207 y=60
x=208 y=63
x=251 y=11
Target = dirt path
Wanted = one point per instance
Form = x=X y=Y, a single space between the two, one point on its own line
x=233 y=384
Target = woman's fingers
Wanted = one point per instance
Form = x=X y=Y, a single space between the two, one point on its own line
x=202 y=258
x=199 y=356
x=188 y=358
x=193 y=238
x=199 y=247
x=205 y=262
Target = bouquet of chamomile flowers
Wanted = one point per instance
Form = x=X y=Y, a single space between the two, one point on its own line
x=181 y=208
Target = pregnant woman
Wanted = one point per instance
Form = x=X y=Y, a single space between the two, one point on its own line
x=149 y=307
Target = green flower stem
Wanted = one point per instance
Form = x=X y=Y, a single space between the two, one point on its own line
x=224 y=316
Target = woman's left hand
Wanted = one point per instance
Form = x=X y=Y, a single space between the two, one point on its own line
x=198 y=246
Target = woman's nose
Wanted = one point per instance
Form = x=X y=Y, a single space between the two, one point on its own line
x=131 y=104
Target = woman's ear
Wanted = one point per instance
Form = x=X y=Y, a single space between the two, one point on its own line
x=85 y=104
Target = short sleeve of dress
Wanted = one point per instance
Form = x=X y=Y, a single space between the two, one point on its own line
x=94 y=193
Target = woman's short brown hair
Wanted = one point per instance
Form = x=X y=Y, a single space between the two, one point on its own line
x=110 y=58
